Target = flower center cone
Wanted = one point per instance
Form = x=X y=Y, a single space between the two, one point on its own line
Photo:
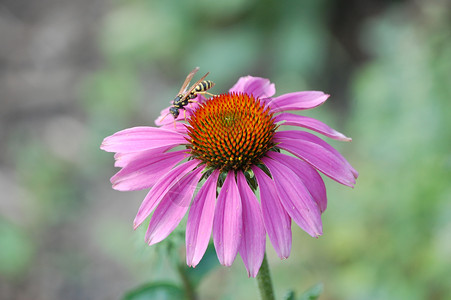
x=231 y=132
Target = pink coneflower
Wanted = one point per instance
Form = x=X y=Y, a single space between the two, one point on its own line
x=231 y=146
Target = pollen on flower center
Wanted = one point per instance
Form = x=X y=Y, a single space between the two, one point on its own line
x=231 y=131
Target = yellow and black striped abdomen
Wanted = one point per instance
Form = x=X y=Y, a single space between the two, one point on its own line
x=201 y=87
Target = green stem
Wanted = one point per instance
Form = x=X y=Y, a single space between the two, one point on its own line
x=189 y=289
x=264 y=281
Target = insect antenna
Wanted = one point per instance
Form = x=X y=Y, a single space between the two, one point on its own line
x=164 y=117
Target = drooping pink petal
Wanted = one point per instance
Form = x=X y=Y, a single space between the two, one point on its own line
x=277 y=221
x=320 y=158
x=145 y=170
x=173 y=207
x=298 y=101
x=160 y=189
x=140 y=139
x=257 y=86
x=310 y=123
x=309 y=176
x=310 y=137
x=227 y=223
x=123 y=159
x=295 y=198
x=200 y=221
x=253 y=239
x=319 y=154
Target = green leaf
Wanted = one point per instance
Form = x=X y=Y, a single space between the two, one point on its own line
x=156 y=291
x=313 y=292
x=290 y=295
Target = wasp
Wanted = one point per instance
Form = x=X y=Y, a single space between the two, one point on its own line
x=185 y=95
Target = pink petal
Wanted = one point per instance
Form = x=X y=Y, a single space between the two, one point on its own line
x=309 y=176
x=257 y=86
x=123 y=159
x=140 y=139
x=160 y=189
x=145 y=170
x=200 y=221
x=253 y=239
x=295 y=198
x=173 y=207
x=319 y=154
x=298 y=101
x=312 y=124
x=277 y=221
x=228 y=221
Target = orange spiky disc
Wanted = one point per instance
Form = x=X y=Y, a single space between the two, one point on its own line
x=231 y=131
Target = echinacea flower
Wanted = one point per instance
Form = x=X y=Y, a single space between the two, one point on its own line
x=232 y=146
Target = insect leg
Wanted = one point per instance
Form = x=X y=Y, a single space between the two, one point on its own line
x=206 y=93
x=209 y=94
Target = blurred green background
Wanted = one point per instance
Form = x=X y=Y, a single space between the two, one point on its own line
x=73 y=72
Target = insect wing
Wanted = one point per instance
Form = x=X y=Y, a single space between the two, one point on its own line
x=194 y=86
x=188 y=79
